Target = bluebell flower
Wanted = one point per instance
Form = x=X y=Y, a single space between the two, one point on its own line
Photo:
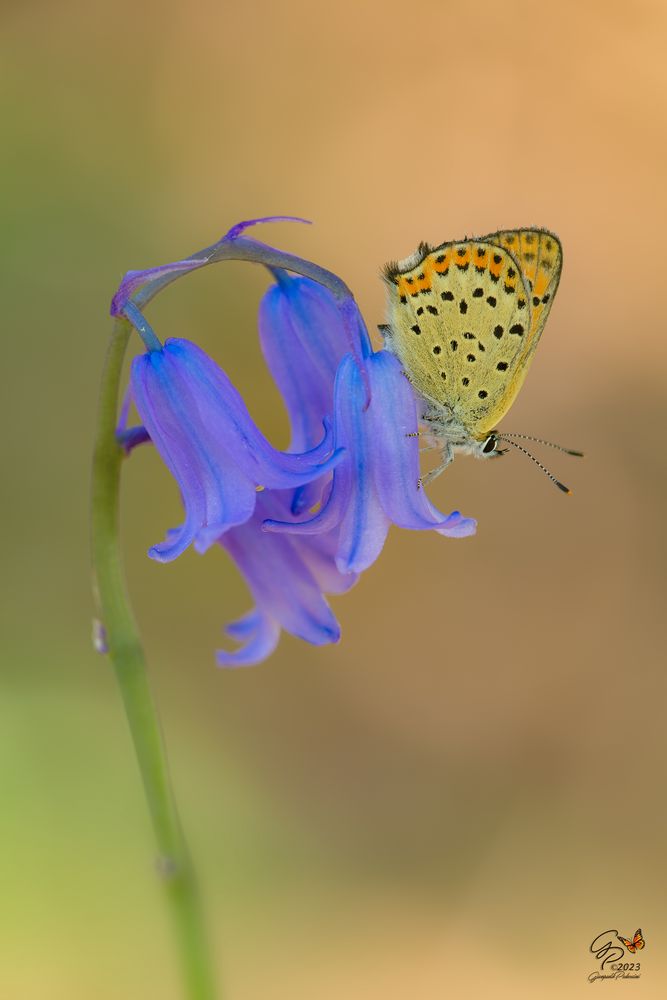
x=377 y=482
x=324 y=508
x=201 y=427
x=288 y=577
x=303 y=340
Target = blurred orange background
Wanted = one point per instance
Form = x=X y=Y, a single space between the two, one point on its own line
x=456 y=799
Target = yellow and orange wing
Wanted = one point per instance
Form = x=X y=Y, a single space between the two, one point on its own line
x=466 y=317
x=539 y=255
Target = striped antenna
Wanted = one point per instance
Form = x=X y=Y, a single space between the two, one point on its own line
x=549 y=444
x=519 y=447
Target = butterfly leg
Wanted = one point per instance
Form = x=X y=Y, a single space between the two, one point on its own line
x=446 y=458
x=427 y=447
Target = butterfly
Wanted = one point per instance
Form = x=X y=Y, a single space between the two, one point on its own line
x=636 y=944
x=465 y=319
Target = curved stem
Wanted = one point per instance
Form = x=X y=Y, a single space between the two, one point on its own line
x=243 y=248
x=124 y=647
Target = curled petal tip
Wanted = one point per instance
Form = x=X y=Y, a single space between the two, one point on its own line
x=174 y=545
x=260 y=634
x=457 y=526
x=156 y=552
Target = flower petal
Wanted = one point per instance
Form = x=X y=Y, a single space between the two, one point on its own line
x=318 y=553
x=261 y=634
x=364 y=525
x=204 y=433
x=316 y=550
x=241 y=227
x=353 y=506
x=283 y=586
x=392 y=427
x=457 y=526
x=328 y=518
x=303 y=339
x=216 y=494
x=217 y=398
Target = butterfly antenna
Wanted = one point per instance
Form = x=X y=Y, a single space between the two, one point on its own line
x=549 y=444
x=561 y=486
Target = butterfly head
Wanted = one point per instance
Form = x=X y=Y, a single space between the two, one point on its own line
x=488 y=447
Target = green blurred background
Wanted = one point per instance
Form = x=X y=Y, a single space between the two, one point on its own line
x=457 y=798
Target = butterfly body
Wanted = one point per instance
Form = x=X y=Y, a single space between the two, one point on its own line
x=465 y=319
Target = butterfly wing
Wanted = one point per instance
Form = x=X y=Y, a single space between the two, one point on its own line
x=461 y=323
x=539 y=255
x=630 y=945
x=638 y=940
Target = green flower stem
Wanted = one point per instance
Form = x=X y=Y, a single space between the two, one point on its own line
x=129 y=664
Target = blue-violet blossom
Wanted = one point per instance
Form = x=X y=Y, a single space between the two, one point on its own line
x=378 y=480
x=202 y=429
x=301 y=523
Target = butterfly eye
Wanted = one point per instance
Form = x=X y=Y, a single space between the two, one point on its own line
x=490 y=444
